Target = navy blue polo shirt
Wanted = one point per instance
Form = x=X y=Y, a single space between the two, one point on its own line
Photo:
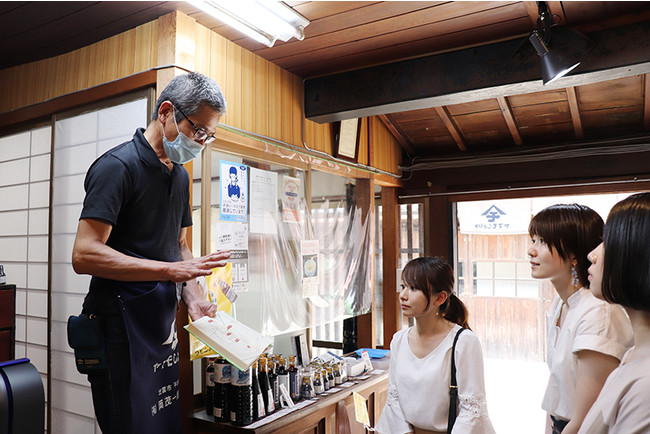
x=146 y=203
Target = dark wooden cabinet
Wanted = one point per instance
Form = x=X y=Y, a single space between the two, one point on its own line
x=7 y=322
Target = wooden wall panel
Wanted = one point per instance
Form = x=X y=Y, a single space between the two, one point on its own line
x=260 y=107
x=275 y=101
x=385 y=152
x=247 y=90
x=116 y=57
x=261 y=97
x=232 y=89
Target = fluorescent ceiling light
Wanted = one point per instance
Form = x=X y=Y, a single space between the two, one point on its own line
x=266 y=21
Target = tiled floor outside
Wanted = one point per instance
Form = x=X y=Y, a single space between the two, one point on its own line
x=514 y=395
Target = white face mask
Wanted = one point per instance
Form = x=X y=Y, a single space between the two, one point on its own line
x=182 y=149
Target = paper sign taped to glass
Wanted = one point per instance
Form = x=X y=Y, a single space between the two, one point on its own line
x=236 y=342
x=216 y=289
x=234 y=238
x=309 y=266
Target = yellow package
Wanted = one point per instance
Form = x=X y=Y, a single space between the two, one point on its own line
x=216 y=284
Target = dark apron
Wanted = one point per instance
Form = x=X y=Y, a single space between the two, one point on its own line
x=150 y=321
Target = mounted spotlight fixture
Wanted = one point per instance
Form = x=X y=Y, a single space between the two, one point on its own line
x=555 y=63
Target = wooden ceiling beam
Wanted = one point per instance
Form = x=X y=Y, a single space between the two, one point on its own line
x=575 y=112
x=484 y=72
x=399 y=136
x=452 y=127
x=533 y=13
x=510 y=120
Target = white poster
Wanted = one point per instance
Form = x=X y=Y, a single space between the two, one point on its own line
x=290 y=199
x=496 y=217
x=309 y=265
x=234 y=192
x=264 y=201
x=234 y=237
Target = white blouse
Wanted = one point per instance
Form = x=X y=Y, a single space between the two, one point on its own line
x=418 y=389
x=623 y=406
x=590 y=324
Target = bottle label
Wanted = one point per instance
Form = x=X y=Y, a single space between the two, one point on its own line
x=294 y=388
x=233 y=416
x=271 y=408
x=260 y=406
x=241 y=378
x=217 y=412
x=222 y=373
x=276 y=391
x=209 y=379
x=284 y=379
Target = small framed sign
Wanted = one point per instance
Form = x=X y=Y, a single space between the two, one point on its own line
x=346 y=139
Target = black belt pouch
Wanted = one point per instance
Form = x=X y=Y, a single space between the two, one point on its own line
x=85 y=337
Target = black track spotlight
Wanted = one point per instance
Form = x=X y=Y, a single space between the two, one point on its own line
x=555 y=62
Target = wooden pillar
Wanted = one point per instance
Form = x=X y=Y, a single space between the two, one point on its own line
x=366 y=324
x=390 y=262
x=438 y=232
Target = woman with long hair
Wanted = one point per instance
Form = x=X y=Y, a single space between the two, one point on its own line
x=586 y=336
x=620 y=273
x=421 y=356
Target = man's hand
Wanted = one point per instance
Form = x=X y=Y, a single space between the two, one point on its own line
x=189 y=269
x=200 y=308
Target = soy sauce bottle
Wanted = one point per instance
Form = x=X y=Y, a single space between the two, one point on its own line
x=265 y=385
x=222 y=378
x=294 y=385
x=259 y=409
x=209 y=387
x=275 y=385
x=283 y=375
x=241 y=397
x=306 y=391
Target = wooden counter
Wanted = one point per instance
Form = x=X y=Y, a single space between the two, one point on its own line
x=319 y=418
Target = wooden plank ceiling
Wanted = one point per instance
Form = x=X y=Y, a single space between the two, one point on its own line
x=353 y=35
x=344 y=36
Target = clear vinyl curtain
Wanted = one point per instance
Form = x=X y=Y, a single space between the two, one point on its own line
x=274 y=303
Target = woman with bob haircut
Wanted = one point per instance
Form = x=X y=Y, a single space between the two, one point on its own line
x=620 y=273
x=420 y=359
x=587 y=337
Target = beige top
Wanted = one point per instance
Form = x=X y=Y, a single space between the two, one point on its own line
x=623 y=406
x=590 y=324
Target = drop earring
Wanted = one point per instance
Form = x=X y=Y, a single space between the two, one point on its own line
x=574 y=277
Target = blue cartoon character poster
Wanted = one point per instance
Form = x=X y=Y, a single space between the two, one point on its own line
x=234 y=189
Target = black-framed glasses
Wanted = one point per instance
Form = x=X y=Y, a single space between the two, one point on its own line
x=200 y=135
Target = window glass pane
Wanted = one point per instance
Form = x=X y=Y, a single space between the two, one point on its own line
x=484 y=269
x=504 y=270
x=523 y=270
x=504 y=288
x=483 y=286
x=528 y=288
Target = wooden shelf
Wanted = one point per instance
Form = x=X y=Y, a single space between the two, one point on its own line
x=319 y=417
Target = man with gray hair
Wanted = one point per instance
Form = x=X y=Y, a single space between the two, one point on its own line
x=131 y=238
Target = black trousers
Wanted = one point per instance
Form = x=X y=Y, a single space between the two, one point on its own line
x=111 y=388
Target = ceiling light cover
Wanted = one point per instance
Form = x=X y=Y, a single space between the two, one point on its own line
x=266 y=21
